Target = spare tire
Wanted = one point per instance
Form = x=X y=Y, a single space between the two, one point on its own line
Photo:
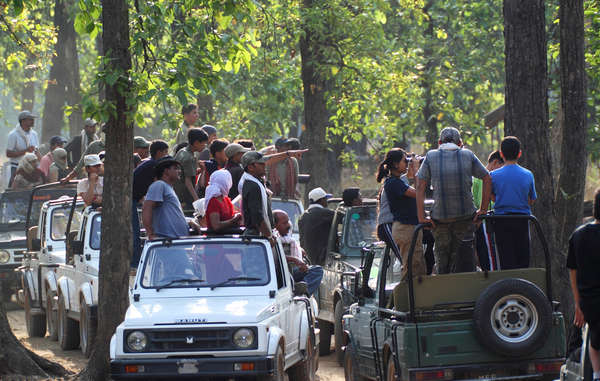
x=512 y=317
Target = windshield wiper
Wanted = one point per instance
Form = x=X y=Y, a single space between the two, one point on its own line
x=223 y=283
x=180 y=280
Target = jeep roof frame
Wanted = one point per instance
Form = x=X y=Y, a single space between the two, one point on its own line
x=58 y=185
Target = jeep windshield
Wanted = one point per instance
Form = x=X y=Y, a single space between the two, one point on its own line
x=291 y=208
x=60 y=219
x=361 y=226
x=13 y=210
x=206 y=264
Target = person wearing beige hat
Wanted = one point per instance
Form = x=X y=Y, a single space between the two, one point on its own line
x=79 y=143
x=90 y=188
x=28 y=174
x=234 y=153
x=59 y=167
x=21 y=140
x=141 y=147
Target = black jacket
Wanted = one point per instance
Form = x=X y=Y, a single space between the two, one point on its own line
x=314 y=226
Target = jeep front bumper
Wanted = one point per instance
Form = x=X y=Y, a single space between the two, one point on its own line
x=192 y=367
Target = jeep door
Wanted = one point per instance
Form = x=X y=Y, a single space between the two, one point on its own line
x=330 y=271
x=284 y=299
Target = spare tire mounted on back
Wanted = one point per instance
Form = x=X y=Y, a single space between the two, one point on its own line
x=512 y=317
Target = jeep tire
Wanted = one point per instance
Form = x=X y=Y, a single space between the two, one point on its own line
x=87 y=330
x=51 y=316
x=338 y=332
x=325 y=333
x=512 y=317
x=68 y=330
x=351 y=369
x=306 y=369
x=278 y=367
x=36 y=324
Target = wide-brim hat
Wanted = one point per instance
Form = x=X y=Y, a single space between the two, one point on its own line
x=233 y=149
x=252 y=157
x=26 y=114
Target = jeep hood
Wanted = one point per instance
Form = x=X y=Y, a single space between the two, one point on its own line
x=197 y=310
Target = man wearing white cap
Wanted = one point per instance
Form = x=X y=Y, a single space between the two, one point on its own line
x=314 y=225
x=90 y=188
x=21 y=139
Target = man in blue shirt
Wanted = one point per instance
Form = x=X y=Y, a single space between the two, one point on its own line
x=514 y=190
x=161 y=213
x=143 y=176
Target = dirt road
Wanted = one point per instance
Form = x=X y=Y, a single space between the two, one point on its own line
x=75 y=361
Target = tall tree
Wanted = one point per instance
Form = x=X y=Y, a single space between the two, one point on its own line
x=316 y=86
x=573 y=165
x=63 y=79
x=526 y=116
x=116 y=226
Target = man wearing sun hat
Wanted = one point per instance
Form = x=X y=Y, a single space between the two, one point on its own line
x=314 y=225
x=20 y=140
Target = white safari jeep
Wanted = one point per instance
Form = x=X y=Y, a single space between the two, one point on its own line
x=216 y=307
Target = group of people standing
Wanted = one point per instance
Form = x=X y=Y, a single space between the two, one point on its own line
x=454 y=174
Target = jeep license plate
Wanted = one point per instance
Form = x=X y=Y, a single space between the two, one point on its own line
x=187 y=367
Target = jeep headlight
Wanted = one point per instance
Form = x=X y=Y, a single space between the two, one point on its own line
x=4 y=256
x=243 y=338
x=137 y=341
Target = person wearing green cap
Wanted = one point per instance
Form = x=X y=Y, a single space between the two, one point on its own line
x=141 y=147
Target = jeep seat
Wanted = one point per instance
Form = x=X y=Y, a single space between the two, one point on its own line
x=436 y=291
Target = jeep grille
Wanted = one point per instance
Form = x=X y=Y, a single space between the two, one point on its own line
x=188 y=340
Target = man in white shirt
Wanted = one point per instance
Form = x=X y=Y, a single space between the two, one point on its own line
x=21 y=139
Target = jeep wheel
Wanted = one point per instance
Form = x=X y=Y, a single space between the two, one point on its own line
x=351 y=370
x=325 y=328
x=36 y=324
x=390 y=373
x=338 y=332
x=278 y=367
x=512 y=317
x=87 y=330
x=306 y=369
x=51 y=316
x=68 y=335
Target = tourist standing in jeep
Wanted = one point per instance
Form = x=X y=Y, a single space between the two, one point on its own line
x=314 y=226
x=450 y=169
x=583 y=262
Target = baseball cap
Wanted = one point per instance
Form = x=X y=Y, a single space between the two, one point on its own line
x=233 y=149
x=450 y=135
x=92 y=160
x=252 y=157
x=26 y=114
x=57 y=140
x=90 y=122
x=140 y=142
x=317 y=194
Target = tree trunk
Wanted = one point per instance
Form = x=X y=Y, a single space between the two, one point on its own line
x=427 y=81
x=571 y=183
x=206 y=109
x=52 y=120
x=73 y=83
x=527 y=118
x=116 y=225
x=316 y=113
x=28 y=92
x=16 y=360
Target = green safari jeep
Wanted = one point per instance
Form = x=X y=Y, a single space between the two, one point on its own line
x=499 y=325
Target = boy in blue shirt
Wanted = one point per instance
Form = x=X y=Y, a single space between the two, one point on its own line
x=514 y=190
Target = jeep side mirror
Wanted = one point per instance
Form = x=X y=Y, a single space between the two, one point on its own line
x=33 y=242
x=300 y=289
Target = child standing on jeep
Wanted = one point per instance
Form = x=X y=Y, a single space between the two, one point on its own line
x=514 y=190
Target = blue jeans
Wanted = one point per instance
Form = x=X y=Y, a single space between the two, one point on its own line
x=312 y=277
x=137 y=243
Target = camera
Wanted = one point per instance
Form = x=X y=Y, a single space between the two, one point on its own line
x=412 y=157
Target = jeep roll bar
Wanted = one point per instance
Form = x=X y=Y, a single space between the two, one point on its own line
x=531 y=218
x=42 y=187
